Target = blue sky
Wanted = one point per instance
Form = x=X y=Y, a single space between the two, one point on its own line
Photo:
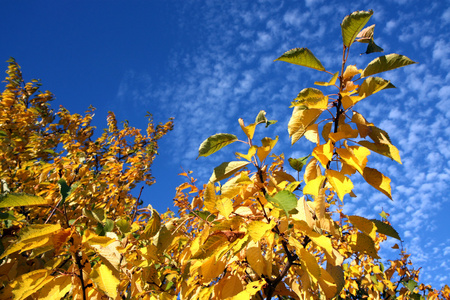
x=208 y=63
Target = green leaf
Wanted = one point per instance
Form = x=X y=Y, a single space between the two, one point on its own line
x=352 y=25
x=64 y=190
x=215 y=142
x=386 y=229
x=410 y=285
x=123 y=225
x=261 y=118
x=311 y=98
x=298 y=163
x=331 y=82
x=13 y=200
x=204 y=215
x=227 y=169
x=372 y=48
x=284 y=200
x=386 y=63
x=302 y=57
x=109 y=225
x=7 y=216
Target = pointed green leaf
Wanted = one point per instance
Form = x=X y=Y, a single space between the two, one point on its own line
x=386 y=63
x=261 y=118
x=298 y=163
x=302 y=57
x=64 y=189
x=12 y=200
x=215 y=142
x=352 y=25
x=386 y=229
x=227 y=169
x=284 y=200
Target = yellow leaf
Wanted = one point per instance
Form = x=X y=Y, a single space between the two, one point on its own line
x=303 y=212
x=153 y=226
x=362 y=124
x=33 y=236
x=351 y=71
x=361 y=242
x=313 y=186
x=378 y=181
x=365 y=225
x=323 y=153
x=56 y=288
x=225 y=206
x=386 y=149
x=256 y=260
x=26 y=284
x=258 y=229
x=319 y=204
x=210 y=198
x=105 y=280
x=211 y=268
x=326 y=131
x=354 y=156
x=327 y=284
x=300 y=120
x=249 y=130
x=312 y=133
x=309 y=264
x=340 y=183
x=250 y=153
x=345 y=131
x=93 y=239
x=338 y=276
x=266 y=148
x=312 y=170
x=232 y=286
x=348 y=101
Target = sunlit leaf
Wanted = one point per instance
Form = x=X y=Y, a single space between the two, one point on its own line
x=153 y=225
x=13 y=200
x=312 y=133
x=354 y=156
x=57 y=288
x=331 y=82
x=105 y=280
x=225 y=206
x=284 y=200
x=227 y=169
x=309 y=264
x=311 y=98
x=211 y=268
x=387 y=150
x=378 y=181
x=373 y=85
x=341 y=183
x=257 y=229
x=345 y=131
x=327 y=283
x=300 y=120
x=386 y=63
x=313 y=186
x=352 y=25
x=249 y=155
x=215 y=142
x=312 y=170
x=338 y=276
x=302 y=57
x=266 y=148
x=256 y=260
x=210 y=198
x=26 y=284
x=366 y=226
x=323 y=153
x=249 y=130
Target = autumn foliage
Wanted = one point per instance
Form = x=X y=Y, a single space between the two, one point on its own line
x=259 y=228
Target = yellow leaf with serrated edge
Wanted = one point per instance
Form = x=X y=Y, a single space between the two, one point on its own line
x=365 y=225
x=313 y=186
x=312 y=133
x=323 y=153
x=361 y=242
x=26 y=284
x=258 y=229
x=378 y=181
x=256 y=260
x=249 y=130
x=105 y=280
x=225 y=206
x=57 y=288
x=310 y=265
x=340 y=183
x=250 y=153
x=33 y=236
x=210 y=198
